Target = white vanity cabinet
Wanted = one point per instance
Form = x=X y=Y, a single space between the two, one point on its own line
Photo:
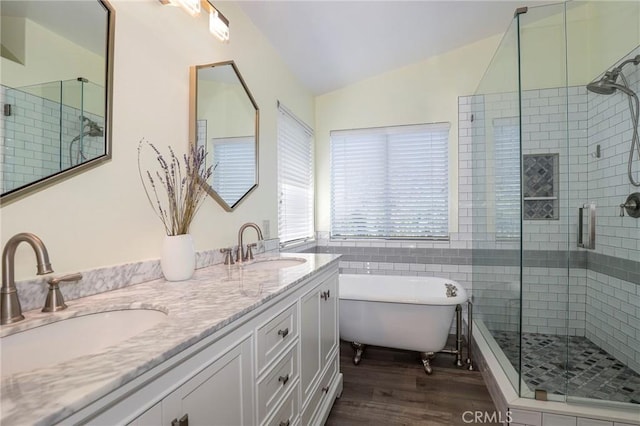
x=318 y=347
x=276 y=365
x=221 y=394
x=151 y=417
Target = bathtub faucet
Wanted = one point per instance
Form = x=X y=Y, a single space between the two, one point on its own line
x=452 y=290
x=241 y=255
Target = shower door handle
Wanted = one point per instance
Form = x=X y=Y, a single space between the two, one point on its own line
x=591 y=226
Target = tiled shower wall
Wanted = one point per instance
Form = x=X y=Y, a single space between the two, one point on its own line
x=613 y=276
x=550 y=304
x=36 y=138
x=602 y=290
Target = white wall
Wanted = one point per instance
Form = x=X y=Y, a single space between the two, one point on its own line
x=226 y=108
x=102 y=217
x=50 y=58
x=426 y=92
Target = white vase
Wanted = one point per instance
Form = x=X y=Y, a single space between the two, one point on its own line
x=178 y=260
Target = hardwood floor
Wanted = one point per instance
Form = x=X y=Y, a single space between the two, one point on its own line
x=390 y=387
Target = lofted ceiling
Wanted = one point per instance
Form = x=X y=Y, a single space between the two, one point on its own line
x=82 y=21
x=331 y=44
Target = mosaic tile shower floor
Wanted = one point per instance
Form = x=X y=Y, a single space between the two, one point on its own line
x=592 y=372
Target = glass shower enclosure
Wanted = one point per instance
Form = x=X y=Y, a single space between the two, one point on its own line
x=49 y=127
x=556 y=259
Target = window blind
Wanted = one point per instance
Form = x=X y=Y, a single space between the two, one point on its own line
x=506 y=135
x=234 y=171
x=295 y=178
x=390 y=182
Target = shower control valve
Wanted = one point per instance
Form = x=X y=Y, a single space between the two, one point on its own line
x=631 y=205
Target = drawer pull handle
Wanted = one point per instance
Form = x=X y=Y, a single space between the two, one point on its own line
x=284 y=332
x=283 y=379
x=325 y=295
x=325 y=389
x=287 y=423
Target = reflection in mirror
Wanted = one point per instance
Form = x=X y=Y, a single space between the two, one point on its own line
x=225 y=120
x=55 y=85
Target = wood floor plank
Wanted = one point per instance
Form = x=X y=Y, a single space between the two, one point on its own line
x=390 y=387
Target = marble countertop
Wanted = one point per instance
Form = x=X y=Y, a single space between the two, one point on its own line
x=213 y=298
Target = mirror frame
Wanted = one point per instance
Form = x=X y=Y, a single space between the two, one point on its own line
x=62 y=175
x=193 y=119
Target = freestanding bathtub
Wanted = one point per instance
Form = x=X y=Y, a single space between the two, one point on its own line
x=403 y=312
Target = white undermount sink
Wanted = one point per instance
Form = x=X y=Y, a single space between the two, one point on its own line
x=60 y=341
x=274 y=264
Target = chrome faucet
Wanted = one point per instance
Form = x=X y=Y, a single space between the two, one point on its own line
x=241 y=255
x=10 y=310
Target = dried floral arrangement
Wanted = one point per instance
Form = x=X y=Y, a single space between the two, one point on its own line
x=176 y=186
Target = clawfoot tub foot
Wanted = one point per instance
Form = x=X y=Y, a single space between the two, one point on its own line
x=359 y=350
x=426 y=361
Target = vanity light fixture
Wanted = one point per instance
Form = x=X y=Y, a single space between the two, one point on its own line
x=191 y=6
x=218 y=24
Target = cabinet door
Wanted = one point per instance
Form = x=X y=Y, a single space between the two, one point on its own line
x=310 y=360
x=328 y=318
x=221 y=394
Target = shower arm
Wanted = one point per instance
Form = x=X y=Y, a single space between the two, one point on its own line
x=634 y=61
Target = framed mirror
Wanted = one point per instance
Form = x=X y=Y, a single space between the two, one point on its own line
x=224 y=118
x=55 y=89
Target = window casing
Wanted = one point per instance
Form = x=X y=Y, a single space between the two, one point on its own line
x=295 y=178
x=390 y=182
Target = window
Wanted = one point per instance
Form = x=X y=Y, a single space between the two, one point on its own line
x=295 y=178
x=390 y=182
x=234 y=169
x=506 y=134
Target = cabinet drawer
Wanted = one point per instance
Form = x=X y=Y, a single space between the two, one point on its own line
x=287 y=414
x=318 y=395
x=275 y=335
x=276 y=383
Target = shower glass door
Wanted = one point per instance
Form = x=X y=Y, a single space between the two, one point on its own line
x=580 y=259
x=491 y=118
x=547 y=201
x=604 y=355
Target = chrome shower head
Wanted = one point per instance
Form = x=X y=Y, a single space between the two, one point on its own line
x=606 y=85
x=94 y=128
